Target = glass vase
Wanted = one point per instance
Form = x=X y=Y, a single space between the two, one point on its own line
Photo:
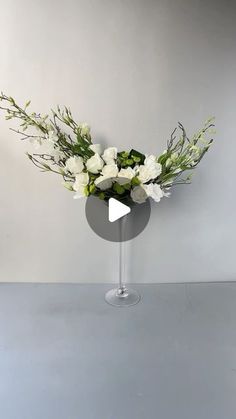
x=122 y=296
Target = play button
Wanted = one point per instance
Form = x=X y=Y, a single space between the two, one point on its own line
x=116 y=210
x=103 y=216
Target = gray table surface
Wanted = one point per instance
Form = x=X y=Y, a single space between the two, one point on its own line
x=66 y=354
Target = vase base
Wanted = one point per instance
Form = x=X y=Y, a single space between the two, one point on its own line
x=122 y=297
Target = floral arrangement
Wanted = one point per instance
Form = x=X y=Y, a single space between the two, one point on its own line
x=64 y=147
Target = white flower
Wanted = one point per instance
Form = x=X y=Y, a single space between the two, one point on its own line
x=74 y=165
x=36 y=142
x=125 y=175
x=109 y=155
x=150 y=170
x=154 y=191
x=150 y=159
x=110 y=170
x=97 y=148
x=84 y=129
x=95 y=164
x=52 y=136
x=103 y=183
x=48 y=141
x=81 y=180
x=57 y=154
x=48 y=147
x=145 y=174
x=138 y=194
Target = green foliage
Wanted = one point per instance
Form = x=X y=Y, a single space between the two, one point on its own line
x=119 y=189
x=135 y=181
x=130 y=158
x=183 y=153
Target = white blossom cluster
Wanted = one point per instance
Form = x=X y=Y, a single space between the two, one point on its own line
x=104 y=165
x=88 y=169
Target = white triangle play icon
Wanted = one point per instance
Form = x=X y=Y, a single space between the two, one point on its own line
x=116 y=210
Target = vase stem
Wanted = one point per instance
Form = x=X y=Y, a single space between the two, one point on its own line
x=121 y=254
x=122 y=296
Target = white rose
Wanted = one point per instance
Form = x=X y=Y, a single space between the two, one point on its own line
x=154 y=191
x=138 y=194
x=74 y=165
x=103 y=183
x=125 y=175
x=97 y=148
x=81 y=180
x=145 y=174
x=150 y=159
x=110 y=170
x=149 y=171
x=109 y=155
x=95 y=164
x=84 y=129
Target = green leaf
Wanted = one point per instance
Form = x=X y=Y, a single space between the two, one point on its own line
x=129 y=162
x=92 y=188
x=68 y=186
x=86 y=191
x=135 y=153
x=118 y=188
x=135 y=181
x=127 y=186
x=124 y=154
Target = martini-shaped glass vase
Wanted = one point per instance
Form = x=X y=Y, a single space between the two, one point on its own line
x=122 y=296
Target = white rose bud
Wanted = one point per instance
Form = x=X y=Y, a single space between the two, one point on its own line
x=110 y=170
x=144 y=174
x=150 y=170
x=109 y=155
x=138 y=194
x=96 y=148
x=84 y=129
x=95 y=164
x=74 y=165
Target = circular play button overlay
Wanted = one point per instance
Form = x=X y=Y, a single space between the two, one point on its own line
x=106 y=217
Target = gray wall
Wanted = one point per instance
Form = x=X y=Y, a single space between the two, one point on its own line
x=131 y=69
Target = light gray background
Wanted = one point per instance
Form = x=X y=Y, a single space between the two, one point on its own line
x=131 y=69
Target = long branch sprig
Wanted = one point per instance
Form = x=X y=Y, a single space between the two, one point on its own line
x=184 y=154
